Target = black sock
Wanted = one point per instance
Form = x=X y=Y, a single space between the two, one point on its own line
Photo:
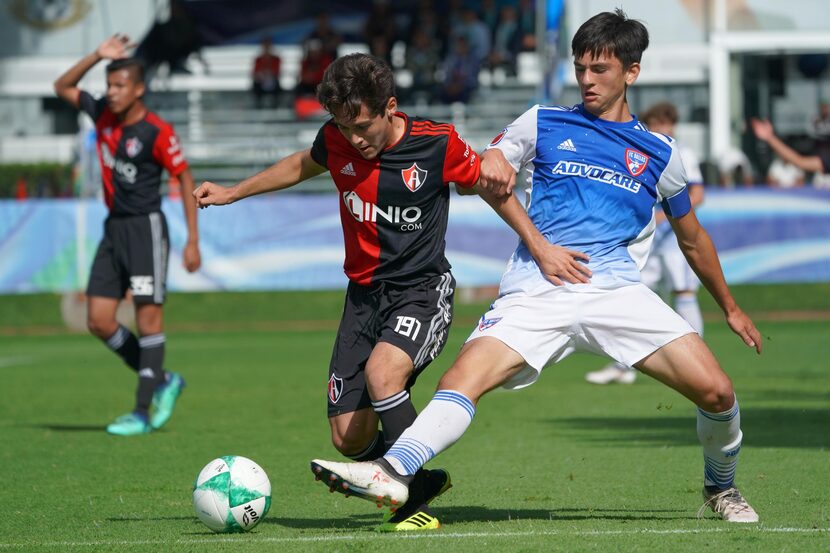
x=396 y=414
x=374 y=450
x=151 y=374
x=125 y=344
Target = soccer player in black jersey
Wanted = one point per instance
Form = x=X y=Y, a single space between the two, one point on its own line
x=392 y=174
x=134 y=147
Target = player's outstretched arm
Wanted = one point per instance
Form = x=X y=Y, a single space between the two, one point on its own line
x=285 y=173
x=556 y=263
x=191 y=256
x=497 y=177
x=703 y=258
x=66 y=86
x=763 y=131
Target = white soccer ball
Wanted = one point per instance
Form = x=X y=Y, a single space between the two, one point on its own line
x=231 y=494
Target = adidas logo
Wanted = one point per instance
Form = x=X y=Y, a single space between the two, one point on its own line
x=348 y=169
x=567 y=145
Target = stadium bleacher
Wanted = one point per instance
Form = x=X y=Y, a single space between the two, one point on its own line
x=225 y=136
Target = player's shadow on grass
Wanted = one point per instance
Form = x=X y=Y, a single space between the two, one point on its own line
x=453 y=514
x=764 y=427
x=476 y=513
x=70 y=427
x=366 y=521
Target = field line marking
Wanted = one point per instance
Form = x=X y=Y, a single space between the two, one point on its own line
x=437 y=536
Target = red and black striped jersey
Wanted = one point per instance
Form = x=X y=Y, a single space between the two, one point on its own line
x=394 y=208
x=133 y=157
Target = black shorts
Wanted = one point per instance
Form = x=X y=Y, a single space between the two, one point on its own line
x=132 y=255
x=414 y=318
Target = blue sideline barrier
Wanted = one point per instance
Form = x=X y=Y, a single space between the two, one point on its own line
x=294 y=241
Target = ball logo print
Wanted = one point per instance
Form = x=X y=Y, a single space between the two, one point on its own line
x=635 y=161
x=231 y=494
x=414 y=177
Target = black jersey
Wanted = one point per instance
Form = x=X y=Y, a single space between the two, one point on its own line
x=394 y=208
x=133 y=157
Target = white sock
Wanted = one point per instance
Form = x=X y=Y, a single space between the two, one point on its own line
x=720 y=434
x=442 y=422
x=687 y=307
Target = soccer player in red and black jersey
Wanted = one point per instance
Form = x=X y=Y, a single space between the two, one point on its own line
x=393 y=174
x=134 y=147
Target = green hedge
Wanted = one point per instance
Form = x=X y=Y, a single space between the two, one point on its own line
x=45 y=180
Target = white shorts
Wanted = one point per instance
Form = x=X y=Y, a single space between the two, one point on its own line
x=667 y=269
x=626 y=324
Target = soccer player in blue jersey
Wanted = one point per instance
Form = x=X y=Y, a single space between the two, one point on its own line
x=595 y=175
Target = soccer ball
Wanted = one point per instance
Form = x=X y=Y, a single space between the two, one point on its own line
x=231 y=494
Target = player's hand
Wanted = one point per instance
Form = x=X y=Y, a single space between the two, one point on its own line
x=762 y=128
x=497 y=176
x=209 y=193
x=115 y=47
x=560 y=264
x=192 y=257
x=742 y=325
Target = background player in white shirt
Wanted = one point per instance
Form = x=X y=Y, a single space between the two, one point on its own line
x=596 y=174
x=666 y=269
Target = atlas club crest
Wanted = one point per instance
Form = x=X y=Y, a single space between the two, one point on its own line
x=335 y=388
x=133 y=146
x=414 y=177
x=636 y=162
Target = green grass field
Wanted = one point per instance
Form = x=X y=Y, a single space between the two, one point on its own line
x=562 y=465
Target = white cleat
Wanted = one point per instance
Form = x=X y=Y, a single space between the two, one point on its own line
x=367 y=480
x=730 y=505
x=612 y=374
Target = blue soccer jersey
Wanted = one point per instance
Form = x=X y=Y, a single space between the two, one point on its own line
x=592 y=186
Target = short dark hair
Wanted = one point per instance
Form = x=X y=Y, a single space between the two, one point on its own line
x=354 y=80
x=662 y=111
x=134 y=65
x=613 y=34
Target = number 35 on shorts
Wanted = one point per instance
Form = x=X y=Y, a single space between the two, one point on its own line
x=408 y=326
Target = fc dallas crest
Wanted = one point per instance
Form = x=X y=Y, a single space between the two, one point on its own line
x=635 y=161
x=414 y=177
x=133 y=146
x=335 y=388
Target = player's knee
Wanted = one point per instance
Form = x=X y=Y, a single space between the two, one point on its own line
x=718 y=396
x=102 y=327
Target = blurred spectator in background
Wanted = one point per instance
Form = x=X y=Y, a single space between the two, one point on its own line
x=266 y=75
x=818 y=164
x=782 y=174
x=821 y=124
x=476 y=35
x=314 y=64
x=488 y=12
x=425 y=20
x=734 y=168
x=666 y=269
x=170 y=42
x=328 y=37
x=422 y=59
x=381 y=31
x=507 y=41
x=20 y=188
x=460 y=73
x=527 y=25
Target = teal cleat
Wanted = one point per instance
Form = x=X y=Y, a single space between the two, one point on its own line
x=130 y=424
x=164 y=400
